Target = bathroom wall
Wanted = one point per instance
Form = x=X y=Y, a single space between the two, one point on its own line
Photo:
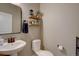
x=60 y=26
x=34 y=32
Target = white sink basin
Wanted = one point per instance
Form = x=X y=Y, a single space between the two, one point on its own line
x=12 y=48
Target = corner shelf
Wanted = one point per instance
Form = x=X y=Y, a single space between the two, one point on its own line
x=35 y=19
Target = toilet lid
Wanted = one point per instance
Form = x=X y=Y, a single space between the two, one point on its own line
x=44 y=53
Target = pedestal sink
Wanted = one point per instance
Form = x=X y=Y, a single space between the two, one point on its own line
x=12 y=48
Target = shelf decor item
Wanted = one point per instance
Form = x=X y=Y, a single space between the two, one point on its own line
x=35 y=19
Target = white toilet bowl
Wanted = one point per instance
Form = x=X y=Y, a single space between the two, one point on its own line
x=44 y=53
x=36 y=48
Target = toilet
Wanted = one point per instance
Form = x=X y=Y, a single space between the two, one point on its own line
x=36 y=48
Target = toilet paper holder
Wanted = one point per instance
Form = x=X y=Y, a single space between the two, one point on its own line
x=60 y=46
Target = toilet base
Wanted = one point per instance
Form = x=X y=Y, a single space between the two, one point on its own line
x=43 y=53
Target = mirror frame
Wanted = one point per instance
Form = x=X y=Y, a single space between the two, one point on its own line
x=20 y=20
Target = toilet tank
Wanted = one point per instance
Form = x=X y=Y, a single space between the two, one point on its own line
x=36 y=45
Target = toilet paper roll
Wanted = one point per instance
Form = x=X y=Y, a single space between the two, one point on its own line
x=60 y=47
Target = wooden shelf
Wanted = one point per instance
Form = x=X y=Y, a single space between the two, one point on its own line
x=34 y=17
x=34 y=24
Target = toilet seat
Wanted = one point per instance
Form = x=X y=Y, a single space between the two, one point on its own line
x=44 y=53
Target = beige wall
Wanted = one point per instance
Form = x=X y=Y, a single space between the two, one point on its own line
x=60 y=26
x=34 y=32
